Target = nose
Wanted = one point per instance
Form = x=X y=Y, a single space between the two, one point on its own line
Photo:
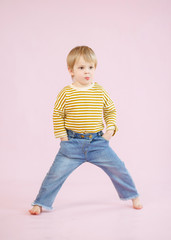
x=87 y=70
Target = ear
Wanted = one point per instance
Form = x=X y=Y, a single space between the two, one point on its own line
x=70 y=71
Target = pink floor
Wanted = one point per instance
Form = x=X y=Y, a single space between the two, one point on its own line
x=86 y=211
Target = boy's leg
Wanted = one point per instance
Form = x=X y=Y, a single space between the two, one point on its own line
x=105 y=158
x=61 y=168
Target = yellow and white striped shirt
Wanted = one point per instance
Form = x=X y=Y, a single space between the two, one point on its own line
x=82 y=110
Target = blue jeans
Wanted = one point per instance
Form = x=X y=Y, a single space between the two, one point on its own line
x=80 y=148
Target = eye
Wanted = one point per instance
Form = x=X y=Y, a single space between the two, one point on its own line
x=81 y=67
x=91 y=67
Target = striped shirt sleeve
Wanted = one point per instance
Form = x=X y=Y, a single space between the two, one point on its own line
x=109 y=112
x=59 y=115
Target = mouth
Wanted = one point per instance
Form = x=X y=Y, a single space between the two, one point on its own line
x=87 y=78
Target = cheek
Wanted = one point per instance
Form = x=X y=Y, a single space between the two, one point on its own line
x=80 y=74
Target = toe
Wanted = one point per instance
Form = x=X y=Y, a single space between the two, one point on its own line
x=35 y=211
x=139 y=206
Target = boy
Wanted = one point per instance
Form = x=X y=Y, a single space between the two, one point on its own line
x=78 y=122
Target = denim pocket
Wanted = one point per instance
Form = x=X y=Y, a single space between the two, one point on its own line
x=69 y=139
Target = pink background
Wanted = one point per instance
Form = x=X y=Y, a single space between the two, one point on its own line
x=132 y=42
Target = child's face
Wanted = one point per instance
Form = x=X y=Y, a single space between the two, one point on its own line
x=83 y=72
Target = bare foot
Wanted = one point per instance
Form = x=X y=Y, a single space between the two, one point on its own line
x=36 y=210
x=136 y=203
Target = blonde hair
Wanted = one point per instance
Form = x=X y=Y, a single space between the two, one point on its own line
x=84 y=51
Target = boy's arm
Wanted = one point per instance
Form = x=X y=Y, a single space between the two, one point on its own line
x=59 y=115
x=109 y=114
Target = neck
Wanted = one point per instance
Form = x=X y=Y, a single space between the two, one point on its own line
x=81 y=85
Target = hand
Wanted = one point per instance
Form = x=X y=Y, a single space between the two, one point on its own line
x=108 y=134
x=64 y=139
